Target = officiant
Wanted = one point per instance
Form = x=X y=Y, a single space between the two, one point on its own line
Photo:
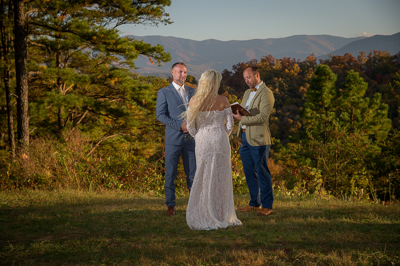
x=256 y=141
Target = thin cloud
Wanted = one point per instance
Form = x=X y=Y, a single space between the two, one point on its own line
x=366 y=34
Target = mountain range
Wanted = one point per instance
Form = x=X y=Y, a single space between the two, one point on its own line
x=219 y=55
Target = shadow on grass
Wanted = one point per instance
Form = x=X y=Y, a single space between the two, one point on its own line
x=131 y=229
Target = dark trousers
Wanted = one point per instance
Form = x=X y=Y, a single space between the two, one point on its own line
x=172 y=154
x=258 y=176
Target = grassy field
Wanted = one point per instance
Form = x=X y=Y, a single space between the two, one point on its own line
x=118 y=228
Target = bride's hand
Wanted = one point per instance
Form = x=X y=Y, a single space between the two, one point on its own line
x=184 y=128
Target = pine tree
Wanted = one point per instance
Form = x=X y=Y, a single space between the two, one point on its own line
x=81 y=66
x=320 y=107
x=358 y=112
x=59 y=32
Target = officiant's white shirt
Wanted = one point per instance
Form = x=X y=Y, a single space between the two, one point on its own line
x=250 y=99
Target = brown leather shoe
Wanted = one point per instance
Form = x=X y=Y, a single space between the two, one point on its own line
x=248 y=208
x=171 y=210
x=265 y=211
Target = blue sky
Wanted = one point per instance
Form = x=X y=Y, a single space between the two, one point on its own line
x=261 y=19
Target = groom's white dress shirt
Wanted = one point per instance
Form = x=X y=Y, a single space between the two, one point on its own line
x=182 y=92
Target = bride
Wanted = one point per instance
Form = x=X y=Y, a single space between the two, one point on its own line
x=210 y=121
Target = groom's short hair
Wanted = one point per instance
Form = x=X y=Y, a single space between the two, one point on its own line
x=178 y=63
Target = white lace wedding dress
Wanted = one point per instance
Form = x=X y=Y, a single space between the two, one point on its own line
x=211 y=198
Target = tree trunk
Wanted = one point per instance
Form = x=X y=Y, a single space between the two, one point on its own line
x=59 y=86
x=5 y=51
x=10 y=117
x=20 y=47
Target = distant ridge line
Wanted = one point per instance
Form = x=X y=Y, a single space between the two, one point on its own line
x=221 y=55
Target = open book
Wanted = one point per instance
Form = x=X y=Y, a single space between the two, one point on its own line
x=236 y=106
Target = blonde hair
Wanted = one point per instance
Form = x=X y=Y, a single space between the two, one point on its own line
x=206 y=95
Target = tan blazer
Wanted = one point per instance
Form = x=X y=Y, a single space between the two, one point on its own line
x=257 y=125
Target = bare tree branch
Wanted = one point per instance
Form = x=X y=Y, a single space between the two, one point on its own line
x=101 y=140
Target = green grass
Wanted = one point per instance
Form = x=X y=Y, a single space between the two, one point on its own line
x=72 y=227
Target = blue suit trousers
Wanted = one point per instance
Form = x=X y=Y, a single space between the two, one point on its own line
x=172 y=154
x=258 y=176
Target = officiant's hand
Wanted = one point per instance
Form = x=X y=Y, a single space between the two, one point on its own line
x=238 y=115
x=184 y=128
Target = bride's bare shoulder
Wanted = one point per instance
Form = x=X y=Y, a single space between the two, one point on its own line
x=223 y=101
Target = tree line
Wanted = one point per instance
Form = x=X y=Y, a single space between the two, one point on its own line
x=335 y=122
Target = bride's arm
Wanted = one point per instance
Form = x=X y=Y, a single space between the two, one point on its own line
x=191 y=127
x=228 y=120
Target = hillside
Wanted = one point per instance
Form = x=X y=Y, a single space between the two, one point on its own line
x=390 y=43
x=220 y=55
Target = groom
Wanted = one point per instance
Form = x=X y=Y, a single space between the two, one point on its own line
x=172 y=101
x=256 y=140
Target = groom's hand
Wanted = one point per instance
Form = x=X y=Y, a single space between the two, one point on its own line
x=183 y=127
x=238 y=115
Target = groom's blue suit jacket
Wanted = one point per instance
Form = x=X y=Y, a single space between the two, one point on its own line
x=169 y=108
